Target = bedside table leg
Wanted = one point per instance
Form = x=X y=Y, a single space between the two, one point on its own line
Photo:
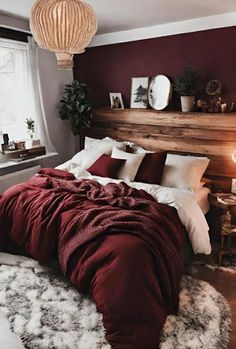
x=229 y=243
x=221 y=249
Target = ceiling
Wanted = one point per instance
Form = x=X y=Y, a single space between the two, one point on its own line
x=120 y=15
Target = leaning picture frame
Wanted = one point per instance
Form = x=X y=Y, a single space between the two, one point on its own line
x=116 y=100
x=139 y=92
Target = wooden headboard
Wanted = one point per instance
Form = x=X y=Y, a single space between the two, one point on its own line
x=213 y=135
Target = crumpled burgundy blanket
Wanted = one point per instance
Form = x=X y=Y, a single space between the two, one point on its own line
x=115 y=243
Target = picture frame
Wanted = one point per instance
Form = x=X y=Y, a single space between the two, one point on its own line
x=116 y=100
x=139 y=92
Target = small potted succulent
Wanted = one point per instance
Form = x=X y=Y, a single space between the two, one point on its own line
x=187 y=85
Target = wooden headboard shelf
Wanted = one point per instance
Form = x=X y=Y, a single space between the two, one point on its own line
x=213 y=135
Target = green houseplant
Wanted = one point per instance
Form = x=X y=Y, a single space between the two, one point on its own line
x=30 y=127
x=75 y=106
x=187 y=85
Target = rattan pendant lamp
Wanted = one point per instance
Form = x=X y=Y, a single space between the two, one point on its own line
x=65 y=27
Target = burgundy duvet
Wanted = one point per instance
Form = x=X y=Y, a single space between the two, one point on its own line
x=114 y=243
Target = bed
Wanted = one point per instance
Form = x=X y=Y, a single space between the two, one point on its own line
x=126 y=269
x=129 y=252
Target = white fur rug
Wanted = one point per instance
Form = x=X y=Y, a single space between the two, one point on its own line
x=47 y=313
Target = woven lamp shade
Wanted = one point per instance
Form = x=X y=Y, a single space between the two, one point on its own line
x=64 y=27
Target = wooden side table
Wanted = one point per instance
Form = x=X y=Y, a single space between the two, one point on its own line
x=228 y=230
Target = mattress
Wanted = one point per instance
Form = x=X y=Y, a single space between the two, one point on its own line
x=202 y=199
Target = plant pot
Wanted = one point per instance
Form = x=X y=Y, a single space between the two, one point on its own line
x=187 y=103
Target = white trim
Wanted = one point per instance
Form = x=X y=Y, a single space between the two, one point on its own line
x=13 y=44
x=174 y=28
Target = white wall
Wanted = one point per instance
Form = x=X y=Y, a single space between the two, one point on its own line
x=53 y=82
x=14 y=23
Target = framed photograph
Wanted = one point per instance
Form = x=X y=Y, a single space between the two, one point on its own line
x=116 y=100
x=139 y=92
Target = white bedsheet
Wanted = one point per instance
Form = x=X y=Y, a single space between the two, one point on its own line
x=184 y=201
x=202 y=199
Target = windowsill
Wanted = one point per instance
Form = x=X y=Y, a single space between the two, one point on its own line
x=9 y=164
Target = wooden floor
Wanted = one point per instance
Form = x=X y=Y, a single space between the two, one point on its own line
x=225 y=283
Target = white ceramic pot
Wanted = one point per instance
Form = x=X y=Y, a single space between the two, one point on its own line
x=187 y=103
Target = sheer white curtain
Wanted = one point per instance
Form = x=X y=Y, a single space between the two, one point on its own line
x=40 y=116
x=20 y=92
x=16 y=103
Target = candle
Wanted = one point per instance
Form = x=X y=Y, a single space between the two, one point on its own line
x=233 y=189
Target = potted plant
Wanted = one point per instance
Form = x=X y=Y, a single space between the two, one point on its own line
x=187 y=85
x=31 y=129
x=76 y=107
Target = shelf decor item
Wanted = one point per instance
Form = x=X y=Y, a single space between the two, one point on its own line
x=139 y=92
x=159 y=92
x=116 y=100
x=30 y=127
x=187 y=85
x=63 y=27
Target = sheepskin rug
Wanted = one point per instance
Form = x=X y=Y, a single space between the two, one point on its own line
x=46 y=312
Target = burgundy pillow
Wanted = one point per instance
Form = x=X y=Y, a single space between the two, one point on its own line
x=105 y=166
x=53 y=172
x=151 y=168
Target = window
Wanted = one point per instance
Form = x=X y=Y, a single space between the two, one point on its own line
x=16 y=96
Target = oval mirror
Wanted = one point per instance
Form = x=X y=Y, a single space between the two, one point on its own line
x=159 y=92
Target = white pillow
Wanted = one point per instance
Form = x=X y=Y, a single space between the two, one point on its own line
x=129 y=170
x=86 y=157
x=184 y=172
x=104 y=145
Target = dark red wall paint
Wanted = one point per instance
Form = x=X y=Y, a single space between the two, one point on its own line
x=110 y=68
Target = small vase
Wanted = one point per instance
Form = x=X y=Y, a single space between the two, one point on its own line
x=187 y=103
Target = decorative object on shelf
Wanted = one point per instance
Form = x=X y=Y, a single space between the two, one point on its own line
x=30 y=127
x=213 y=89
x=5 y=143
x=116 y=100
x=19 y=145
x=159 y=92
x=202 y=105
x=187 y=85
x=214 y=103
x=233 y=186
x=5 y=139
x=76 y=107
x=25 y=154
x=227 y=108
x=139 y=92
x=63 y=27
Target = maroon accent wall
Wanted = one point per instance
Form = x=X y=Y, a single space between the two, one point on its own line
x=110 y=68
